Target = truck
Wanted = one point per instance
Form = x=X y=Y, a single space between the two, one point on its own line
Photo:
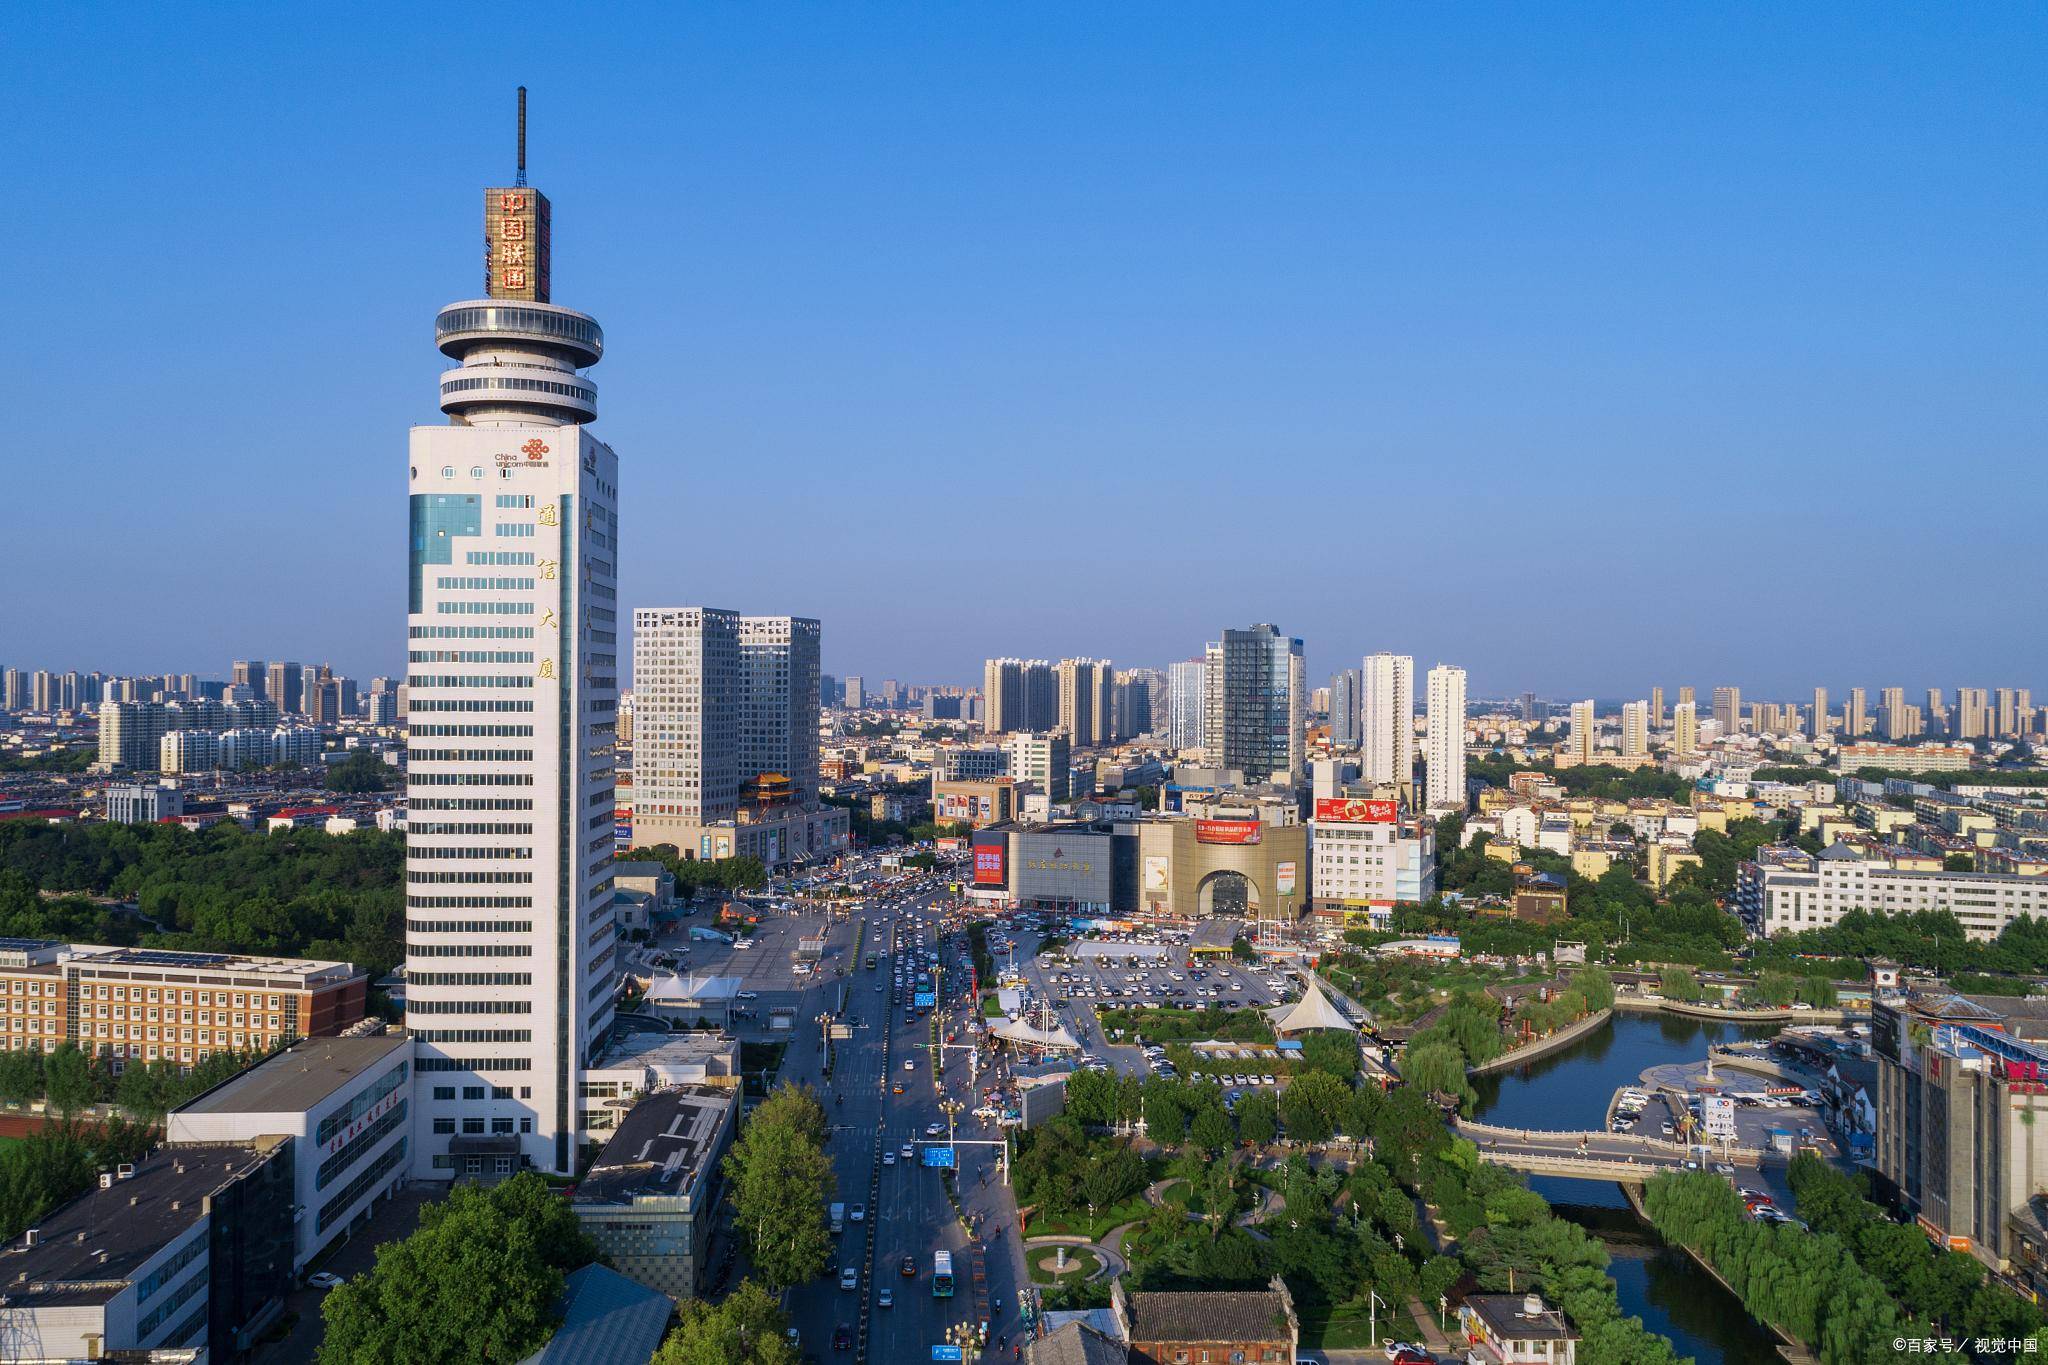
x=838 y=1216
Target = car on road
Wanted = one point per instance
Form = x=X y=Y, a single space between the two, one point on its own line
x=849 y=1277
x=908 y=1151
x=910 y=1064
x=325 y=1279
x=886 y=1299
x=932 y=1130
x=842 y=1338
x=859 y=1213
x=748 y=995
x=1396 y=1349
x=888 y=1158
x=909 y=1267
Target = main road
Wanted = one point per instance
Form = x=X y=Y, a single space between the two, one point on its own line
x=907 y=1211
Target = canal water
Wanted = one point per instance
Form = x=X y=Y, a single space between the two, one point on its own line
x=1570 y=1089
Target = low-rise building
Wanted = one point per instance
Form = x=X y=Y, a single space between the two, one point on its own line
x=344 y=1102
x=1784 y=890
x=1516 y=1329
x=651 y=1198
x=190 y=1249
x=1167 y=1327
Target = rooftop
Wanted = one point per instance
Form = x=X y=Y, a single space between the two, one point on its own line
x=298 y=1078
x=1209 y=1315
x=1509 y=1317
x=659 y=1147
x=607 y=1319
x=86 y=1251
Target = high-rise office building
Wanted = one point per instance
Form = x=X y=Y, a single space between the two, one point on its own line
x=1087 y=701
x=1818 y=723
x=1656 y=708
x=1528 y=708
x=252 y=674
x=1583 y=731
x=686 y=723
x=779 y=701
x=510 y=935
x=1444 y=744
x=1344 y=689
x=1257 y=704
x=1187 y=690
x=853 y=692
x=1728 y=709
x=1386 y=718
x=1635 y=729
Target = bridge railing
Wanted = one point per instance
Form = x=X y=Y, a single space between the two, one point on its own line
x=1569 y=1140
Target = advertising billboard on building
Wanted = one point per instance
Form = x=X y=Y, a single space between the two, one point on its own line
x=1353 y=810
x=988 y=864
x=1283 y=878
x=1227 y=831
x=1157 y=877
x=517 y=232
x=1717 y=1113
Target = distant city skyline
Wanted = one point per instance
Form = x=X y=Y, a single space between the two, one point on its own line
x=1653 y=333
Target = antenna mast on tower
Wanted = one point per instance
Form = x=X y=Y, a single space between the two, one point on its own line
x=521 y=180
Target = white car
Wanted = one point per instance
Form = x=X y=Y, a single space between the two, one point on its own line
x=910 y=1065
x=859 y=1213
x=888 y=1158
x=749 y=995
x=849 y=1278
x=886 y=1298
x=325 y=1279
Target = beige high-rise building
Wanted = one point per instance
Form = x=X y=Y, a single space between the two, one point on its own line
x=1685 y=728
x=1728 y=709
x=1686 y=698
x=1087 y=701
x=686 y=733
x=1582 y=732
x=1818 y=723
x=1973 y=713
x=2006 y=724
x=1635 y=729
x=1656 y=708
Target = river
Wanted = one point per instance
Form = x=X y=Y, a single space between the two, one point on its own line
x=1570 y=1089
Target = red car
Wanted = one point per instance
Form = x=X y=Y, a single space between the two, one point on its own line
x=842 y=1338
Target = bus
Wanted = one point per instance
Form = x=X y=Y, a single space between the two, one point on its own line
x=942 y=1274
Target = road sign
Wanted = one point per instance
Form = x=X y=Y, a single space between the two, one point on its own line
x=924 y=1000
x=939 y=1156
x=947 y=1353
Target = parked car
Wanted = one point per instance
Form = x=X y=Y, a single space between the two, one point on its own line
x=325 y=1279
x=849 y=1277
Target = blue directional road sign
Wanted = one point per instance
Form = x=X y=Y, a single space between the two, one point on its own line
x=924 y=1000
x=939 y=1156
x=947 y=1353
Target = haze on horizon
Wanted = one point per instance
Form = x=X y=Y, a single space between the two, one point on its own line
x=1590 y=347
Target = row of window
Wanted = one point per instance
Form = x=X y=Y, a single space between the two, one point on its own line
x=420 y=803
x=469 y=902
x=470 y=656
x=468 y=926
x=354 y=1149
x=480 y=1065
x=471 y=854
x=426 y=704
x=463 y=583
x=471 y=633
x=509 y=878
x=474 y=1035
x=457 y=827
x=470 y=755
x=383 y=1166
x=520 y=385
x=467 y=979
x=420 y=680
x=467 y=1007
x=413 y=950
x=474 y=1127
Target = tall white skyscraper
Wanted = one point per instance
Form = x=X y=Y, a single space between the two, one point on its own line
x=1187 y=697
x=686 y=723
x=1635 y=729
x=512 y=695
x=1583 y=732
x=1445 y=752
x=1386 y=718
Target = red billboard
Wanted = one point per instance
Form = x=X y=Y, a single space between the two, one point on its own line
x=1352 y=810
x=1227 y=831
x=988 y=864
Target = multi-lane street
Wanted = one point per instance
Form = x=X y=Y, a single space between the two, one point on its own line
x=904 y=1207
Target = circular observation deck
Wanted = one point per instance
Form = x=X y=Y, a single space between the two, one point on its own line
x=462 y=327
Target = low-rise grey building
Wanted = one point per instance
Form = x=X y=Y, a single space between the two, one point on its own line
x=651 y=1198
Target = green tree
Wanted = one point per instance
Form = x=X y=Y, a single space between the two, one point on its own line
x=747 y=1327
x=71 y=1079
x=1210 y=1129
x=364 y=770
x=1258 y=1115
x=1312 y=1105
x=478 y=1281
x=780 y=1183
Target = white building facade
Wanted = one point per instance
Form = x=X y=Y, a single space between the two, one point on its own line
x=1386 y=718
x=512 y=695
x=1445 y=755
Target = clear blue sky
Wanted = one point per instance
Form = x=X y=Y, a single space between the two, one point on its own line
x=1591 y=347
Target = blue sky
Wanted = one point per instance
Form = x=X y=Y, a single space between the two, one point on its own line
x=1589 y=346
